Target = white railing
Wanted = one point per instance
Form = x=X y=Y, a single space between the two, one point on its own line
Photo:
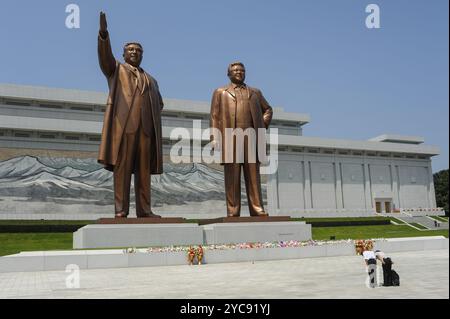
x=421 y=209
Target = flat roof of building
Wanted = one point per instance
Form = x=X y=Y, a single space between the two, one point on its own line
x=393 y=138
x=352 y=145
x=94 y=127
x=46 y=94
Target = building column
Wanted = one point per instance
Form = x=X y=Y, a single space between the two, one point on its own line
x=300 y=130
x=394 y=186
x=272 y=193
x=399 y=184
x=339 y=194
x=431 y=191
x=367 y=193
x=308 y=190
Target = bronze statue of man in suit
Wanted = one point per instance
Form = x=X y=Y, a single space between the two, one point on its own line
x=131 y=136
x=238 y=106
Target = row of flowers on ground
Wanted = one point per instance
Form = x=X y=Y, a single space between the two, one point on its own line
x=281 y=244
x=195 y=254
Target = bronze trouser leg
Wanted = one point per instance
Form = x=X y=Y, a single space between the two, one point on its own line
x=122 y=173
x=253 y=188
x=233 y=188
x=142 y=174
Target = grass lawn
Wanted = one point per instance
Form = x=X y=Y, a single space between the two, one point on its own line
x=86 y=222
x=334 y=219
x=440 y=219
x=342 y=219
x=420 y=226
x=398 y=221
x=377 y=231
x=46 y=222
x=13 y=243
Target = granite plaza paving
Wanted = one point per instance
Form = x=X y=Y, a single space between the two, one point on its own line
x=424 y=274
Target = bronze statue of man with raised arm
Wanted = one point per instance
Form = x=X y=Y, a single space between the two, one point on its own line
x=131 y=140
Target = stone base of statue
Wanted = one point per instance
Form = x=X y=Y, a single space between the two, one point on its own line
x=137 y=235
x=244 y=219
x=255 y=232
x=153 y=232
x=142 y=220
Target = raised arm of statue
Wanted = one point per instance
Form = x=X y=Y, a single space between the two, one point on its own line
x=214 y=117
x=105 y=56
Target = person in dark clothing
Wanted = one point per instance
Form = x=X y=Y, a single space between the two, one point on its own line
x=386 y=262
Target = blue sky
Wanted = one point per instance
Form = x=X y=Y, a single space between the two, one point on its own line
x=315 y=57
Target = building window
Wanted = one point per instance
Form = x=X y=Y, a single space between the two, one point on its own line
x=47 y=136
x=71 y=137
x=81 y=108
x=286 y=124
x=17 y=103
x=50 y=106
x=94 y=139
x=21 y=134
x=194 y=117
x=169 y=115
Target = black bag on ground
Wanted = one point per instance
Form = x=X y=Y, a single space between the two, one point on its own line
x=395 y=278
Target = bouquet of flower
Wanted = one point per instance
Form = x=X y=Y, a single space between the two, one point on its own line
x=191 y=255
x=199 y=253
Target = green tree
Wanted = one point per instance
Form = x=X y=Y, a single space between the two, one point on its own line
x=441 y=188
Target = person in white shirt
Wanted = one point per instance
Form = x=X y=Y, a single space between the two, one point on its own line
x=371 y=263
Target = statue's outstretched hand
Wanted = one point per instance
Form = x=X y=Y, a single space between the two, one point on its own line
x=103 y=24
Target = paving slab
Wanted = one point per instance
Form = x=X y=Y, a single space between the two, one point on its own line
x=423 y=274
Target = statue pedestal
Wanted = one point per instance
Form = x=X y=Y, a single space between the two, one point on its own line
x=244 y=219
x=153 y=232
x=252 y=232
x=137 y=235
x=141 y=220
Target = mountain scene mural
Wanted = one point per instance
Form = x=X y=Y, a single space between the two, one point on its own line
x=31 y=184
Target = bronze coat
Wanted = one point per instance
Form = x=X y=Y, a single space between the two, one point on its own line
x=123 y=85
x=223 y=112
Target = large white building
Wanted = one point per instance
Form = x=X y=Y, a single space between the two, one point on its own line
x=315 y=177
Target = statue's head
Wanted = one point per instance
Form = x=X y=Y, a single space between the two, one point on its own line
x=236 y=72
x=132 y=53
